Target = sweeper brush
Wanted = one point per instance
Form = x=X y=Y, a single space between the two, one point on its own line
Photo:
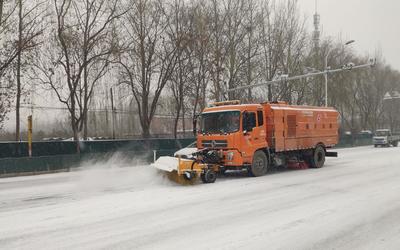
x=186 y=171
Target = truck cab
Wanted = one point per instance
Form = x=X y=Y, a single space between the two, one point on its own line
x=234 y=131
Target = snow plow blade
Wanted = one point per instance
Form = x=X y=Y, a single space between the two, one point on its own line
x=184 y=171
x=177 y=170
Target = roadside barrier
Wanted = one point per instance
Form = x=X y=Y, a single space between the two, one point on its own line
x=56 y=156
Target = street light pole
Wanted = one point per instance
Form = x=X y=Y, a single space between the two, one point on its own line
x=285 y=78
x=326 y=76
x=327 y=71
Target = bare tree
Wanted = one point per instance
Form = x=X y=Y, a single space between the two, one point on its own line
x=180 y=29
x=196 y=48
x=373 y=85
x=151 y=58
x=8 y=53
x=218 y=45
x=235 y=34
x=83 y=43
x=253 y=25
x=283 y=45
x=200 y=51
x=30 y=28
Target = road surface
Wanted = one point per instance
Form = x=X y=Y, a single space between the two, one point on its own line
x=351 y=203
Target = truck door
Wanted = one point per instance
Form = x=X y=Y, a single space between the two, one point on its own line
x=253 y=134
x=259 y=132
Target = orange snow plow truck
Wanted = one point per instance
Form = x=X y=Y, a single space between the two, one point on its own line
x=255 y=137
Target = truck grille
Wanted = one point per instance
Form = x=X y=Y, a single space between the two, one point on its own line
x=214 y=143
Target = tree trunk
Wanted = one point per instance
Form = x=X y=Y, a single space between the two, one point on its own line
x=203 y=94
x=183 y=119
x=269 y=93
x=1 y=10
x=18 y=100
x=107 y=123
x=74 y=124
x=85 y=104
x=176 y=121
x=194 y=111
x=17 y=110
x=145 y=118
x=146 y=131
x=75 y=133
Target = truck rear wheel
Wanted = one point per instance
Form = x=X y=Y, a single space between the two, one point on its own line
x=259 y=166
x=395 y=143
x=318 y=157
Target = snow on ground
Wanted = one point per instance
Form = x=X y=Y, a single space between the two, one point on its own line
x=351 y=203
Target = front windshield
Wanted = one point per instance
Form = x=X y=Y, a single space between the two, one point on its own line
x=382 y=133
x=220 y=122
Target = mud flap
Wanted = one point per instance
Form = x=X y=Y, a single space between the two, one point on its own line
x=331 y=154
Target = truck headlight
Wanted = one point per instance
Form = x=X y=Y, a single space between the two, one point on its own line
x=229 y=156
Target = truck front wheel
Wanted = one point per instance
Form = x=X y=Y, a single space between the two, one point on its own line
x=318 y=157
x=209 y=176
x=259 y=166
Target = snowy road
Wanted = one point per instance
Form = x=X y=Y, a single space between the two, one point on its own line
x=351 y=203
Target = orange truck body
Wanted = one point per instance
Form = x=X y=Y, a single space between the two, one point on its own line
x=279 y=129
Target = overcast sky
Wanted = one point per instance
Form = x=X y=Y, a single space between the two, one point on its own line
x=374 y=24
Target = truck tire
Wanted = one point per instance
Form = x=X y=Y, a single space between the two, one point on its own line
x=318 y=158
x=209 y=176
x=259 y=165
x=395 y=143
